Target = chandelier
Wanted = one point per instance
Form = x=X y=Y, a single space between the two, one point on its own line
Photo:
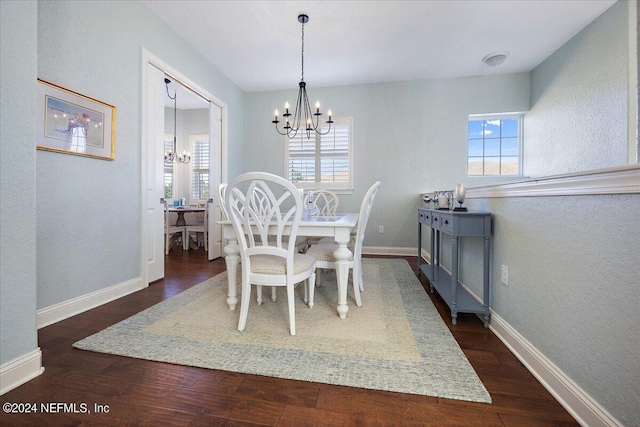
x=302 y=118
x=173 y=156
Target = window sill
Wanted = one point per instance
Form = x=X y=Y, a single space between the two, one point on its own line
x=619 y=180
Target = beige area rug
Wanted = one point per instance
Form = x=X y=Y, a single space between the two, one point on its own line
x=396 y=342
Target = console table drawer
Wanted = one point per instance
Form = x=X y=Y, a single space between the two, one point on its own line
x=435 y=220
x=446 y=223
x=424 y=217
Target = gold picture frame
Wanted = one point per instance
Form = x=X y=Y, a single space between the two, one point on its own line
x=71 y=123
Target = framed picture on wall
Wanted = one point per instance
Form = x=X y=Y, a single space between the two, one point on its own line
x=72 y=123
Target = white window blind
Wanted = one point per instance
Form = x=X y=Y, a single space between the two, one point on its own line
x=200 y=153
x=168 y=168
x=322 y=161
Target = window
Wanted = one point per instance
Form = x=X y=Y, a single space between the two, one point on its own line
x=168 y=167
x=200 y=150
x=323 y=161
x=495 y=144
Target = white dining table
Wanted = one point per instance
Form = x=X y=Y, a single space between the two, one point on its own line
x=338 y=226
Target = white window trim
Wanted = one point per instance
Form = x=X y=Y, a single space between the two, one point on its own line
x=319 y=185
x=192 y=138
x=513 y=115
x=618 y=180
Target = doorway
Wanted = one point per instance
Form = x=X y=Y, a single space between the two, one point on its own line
x=197 y=113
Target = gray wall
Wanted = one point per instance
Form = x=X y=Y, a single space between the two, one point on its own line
x=574 y=267
x=584 y=82
x=88 y=211
x=17 y=180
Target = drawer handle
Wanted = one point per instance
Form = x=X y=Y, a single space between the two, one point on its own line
x=435 y=219
x=446 y=221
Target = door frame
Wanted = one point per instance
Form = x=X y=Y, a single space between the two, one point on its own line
x=220 y=170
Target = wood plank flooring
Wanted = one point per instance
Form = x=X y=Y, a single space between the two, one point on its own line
x=145 y=393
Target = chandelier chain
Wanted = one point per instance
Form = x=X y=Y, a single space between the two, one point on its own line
x=173 y=155
x=175 y=104
x=302 y=61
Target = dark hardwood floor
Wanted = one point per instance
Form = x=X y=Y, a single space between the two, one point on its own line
x=139 y=392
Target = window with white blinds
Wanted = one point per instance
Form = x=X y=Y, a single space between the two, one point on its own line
x=168 y=167
x=323 y=161
x=200 y=153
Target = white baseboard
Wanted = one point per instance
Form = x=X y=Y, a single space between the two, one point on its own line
x=581 y=406
x=57 y=312
x=576 y=401
x=20 y=370
x=389 y=250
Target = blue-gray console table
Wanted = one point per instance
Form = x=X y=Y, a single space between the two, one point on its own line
x=456 y=225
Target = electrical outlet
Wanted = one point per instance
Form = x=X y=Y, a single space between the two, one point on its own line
x=505 y=275
x=381 y=229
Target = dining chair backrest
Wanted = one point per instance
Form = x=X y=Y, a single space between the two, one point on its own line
x=260 y=201
x=167 y=217
x=198 y=224
x=258 y=207
x=222 y=187
x=324 y=200
x=363 y=218
x=171 y=229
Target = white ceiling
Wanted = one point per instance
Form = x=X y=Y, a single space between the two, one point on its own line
x=257 y=43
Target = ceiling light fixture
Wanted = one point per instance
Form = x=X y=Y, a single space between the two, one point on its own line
x=172 y=156
x=495 y=59
x=310 y=121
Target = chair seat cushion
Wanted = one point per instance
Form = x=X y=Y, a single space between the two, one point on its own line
x=324 y=252
x=271 y=264
x=300 y=240
x=330 y=241
x=327 y=241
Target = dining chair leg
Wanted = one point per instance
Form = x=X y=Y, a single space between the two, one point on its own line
x=292 y=311
x=355 y=276
x=244 y=305
x=259 y=295
x=311 y=285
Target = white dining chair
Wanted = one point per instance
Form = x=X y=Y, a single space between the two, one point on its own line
x=325 y=201
x=323 y=252
x=220 y=189
x=261 y=202
x=171 y=229
x=199 y=227
x=267 y=261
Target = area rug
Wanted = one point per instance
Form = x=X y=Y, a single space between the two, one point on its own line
x=396 y=341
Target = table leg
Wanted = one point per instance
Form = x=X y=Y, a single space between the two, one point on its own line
x=485 y=281
x=454 y=280
x=181 y=222
x=232 y=250
x=342 y=256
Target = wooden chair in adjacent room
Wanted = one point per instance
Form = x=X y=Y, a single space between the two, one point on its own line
x=199 y=228
x=171 y=230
